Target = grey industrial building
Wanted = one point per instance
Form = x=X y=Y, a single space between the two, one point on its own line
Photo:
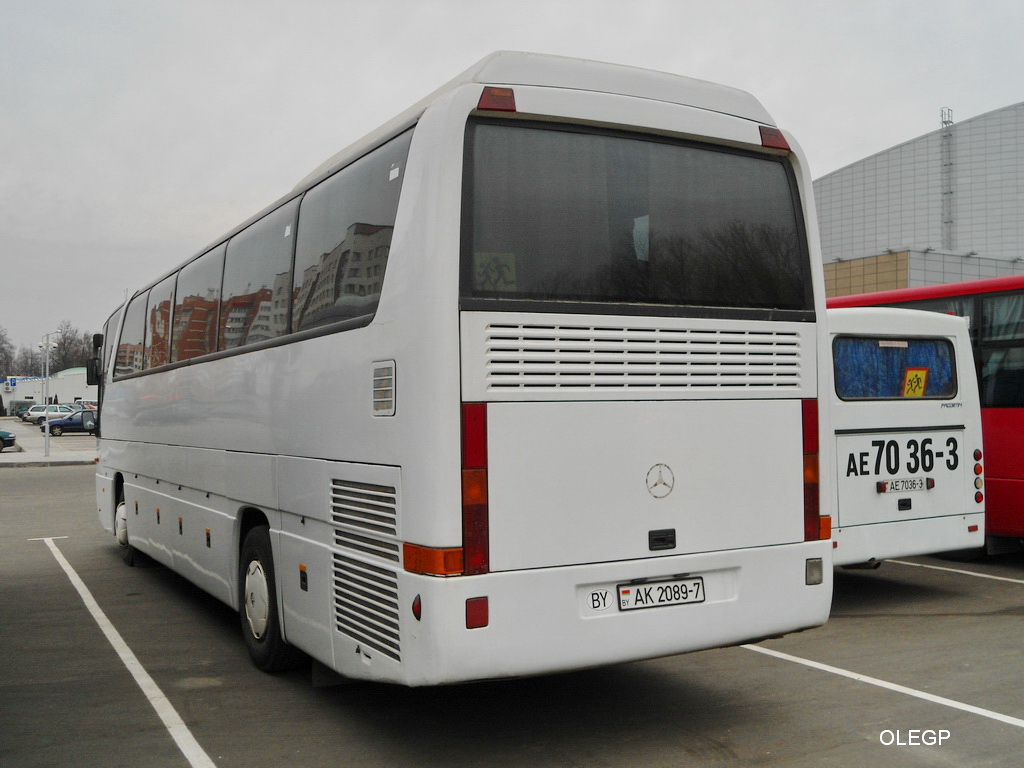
x=941 y=208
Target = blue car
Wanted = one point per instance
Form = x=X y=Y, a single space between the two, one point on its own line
x=6 y=439
x=80 y=421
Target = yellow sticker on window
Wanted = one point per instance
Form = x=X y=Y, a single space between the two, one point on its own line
x=915 y=381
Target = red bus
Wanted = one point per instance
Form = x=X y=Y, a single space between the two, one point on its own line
x=995 y=310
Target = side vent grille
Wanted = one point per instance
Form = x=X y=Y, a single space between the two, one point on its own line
x=372 y=508
x=559 y=357
x=366 y=605
x=367 y=516
x=384 y=388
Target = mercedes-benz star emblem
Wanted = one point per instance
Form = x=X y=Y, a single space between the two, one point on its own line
x=660 y=481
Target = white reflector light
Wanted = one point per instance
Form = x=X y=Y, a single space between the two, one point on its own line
x=814 y=572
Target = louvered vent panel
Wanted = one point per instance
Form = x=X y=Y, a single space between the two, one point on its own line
x=370 y=508
x=593 y=357
x=366 y=518
x=366 y=605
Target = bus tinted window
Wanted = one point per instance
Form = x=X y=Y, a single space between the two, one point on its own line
x=256 y=269
x=881 y=369
x=130 y=348
x=158 y=326
x=345 y=237
x=109 y=339
x=1002 y=377
x=198 y=306
x=1003 y=318
x=562 y=215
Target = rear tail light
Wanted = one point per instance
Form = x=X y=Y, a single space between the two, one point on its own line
x=473 y=557
x=474 y=488
x=816 y=527
x=979 y=482
x=432 y=561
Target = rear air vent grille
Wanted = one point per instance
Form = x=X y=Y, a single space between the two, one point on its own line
x=366 y=605
x=370 y=508
x=560 y=357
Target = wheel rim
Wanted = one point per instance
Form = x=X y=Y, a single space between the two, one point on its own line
x=121 y=524
x=257 y=599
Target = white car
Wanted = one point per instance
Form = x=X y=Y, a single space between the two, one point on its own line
x=37 y=414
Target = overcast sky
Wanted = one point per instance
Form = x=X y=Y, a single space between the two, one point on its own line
x=133 y=133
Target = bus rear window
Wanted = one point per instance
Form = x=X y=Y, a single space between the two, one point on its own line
x=560 y=215
x=869 y=368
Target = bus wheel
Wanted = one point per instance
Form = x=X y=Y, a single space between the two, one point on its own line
x=129 y=554
x=261 y=627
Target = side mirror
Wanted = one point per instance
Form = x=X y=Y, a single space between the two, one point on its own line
x=94 y=366
x=93 y=371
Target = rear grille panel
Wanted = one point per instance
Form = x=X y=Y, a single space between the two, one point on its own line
x=590 y=357
x=370 y=508
x=367 y=552
x=366 y=605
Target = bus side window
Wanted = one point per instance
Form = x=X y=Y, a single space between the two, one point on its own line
x=344 y=239
x=197 y=307
x=257 y=272
x=130 y=358
x=158 y=324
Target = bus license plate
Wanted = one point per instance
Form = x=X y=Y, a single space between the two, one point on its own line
x=902 y=485
x=658 y=593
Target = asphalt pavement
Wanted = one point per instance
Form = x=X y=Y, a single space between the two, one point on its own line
x=30 y=449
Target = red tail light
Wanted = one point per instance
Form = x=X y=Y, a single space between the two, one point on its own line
x=497 y=99
x=815 y=526
x=772 y=138
x=979 y=470
x=476 y=556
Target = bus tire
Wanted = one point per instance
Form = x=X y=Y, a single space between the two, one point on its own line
x=261 y=626
x=129 y=554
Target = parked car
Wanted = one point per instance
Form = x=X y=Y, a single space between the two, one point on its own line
x=6 y=439
x=37 y=414
x=79 y=421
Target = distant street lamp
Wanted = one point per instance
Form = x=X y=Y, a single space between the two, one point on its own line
x=46 y=346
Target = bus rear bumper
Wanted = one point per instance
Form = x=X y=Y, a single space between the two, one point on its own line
x=559 y=619
x=906 y=538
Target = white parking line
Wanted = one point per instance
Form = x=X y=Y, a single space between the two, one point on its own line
x=958 y=570
x=182 y=736
x=891 y=686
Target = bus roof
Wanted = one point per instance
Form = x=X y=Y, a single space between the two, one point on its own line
x=988 y=285
x=891 y=321
x=510 y=68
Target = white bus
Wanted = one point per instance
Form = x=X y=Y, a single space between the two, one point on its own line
x=908 y=444
x=525 y=381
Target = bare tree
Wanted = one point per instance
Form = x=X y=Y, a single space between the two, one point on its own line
x=26 y=362
x=72 y=348
x=6 y=354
